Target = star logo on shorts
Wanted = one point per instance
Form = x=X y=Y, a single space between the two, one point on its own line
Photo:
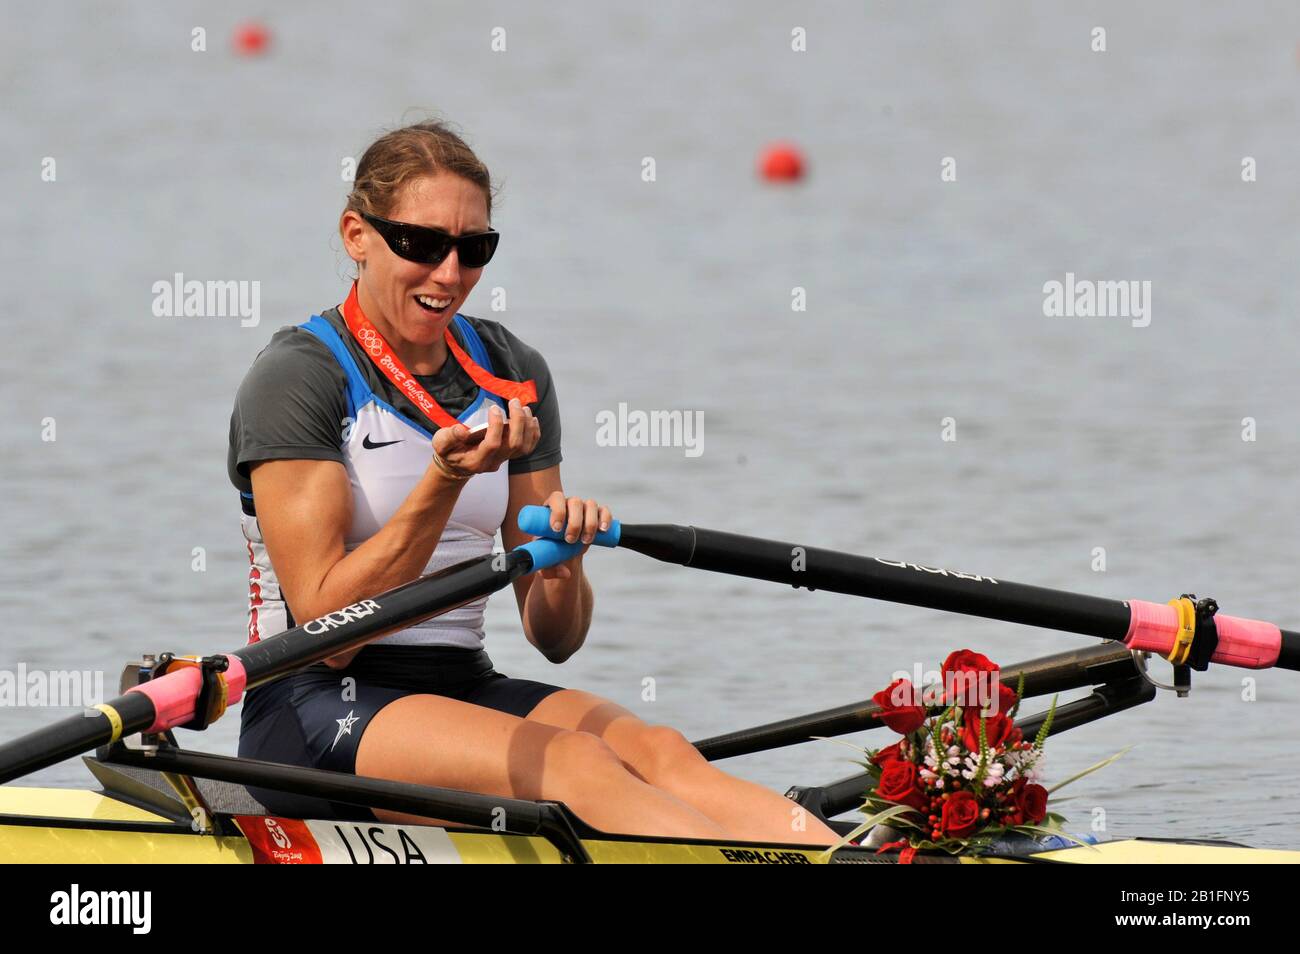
x=345 y=727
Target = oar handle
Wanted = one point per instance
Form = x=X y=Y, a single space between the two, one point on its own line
x=536 y=521
x=547 y=553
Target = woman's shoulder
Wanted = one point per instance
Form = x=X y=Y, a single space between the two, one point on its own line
x=294 y=356
x=291 y=404
x=296 y=369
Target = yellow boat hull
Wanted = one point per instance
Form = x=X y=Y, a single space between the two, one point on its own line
x=62 y=826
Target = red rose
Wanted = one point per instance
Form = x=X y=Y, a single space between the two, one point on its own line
x=998 y=730
x=965 y=673
x=890 y=753
x=898 y=783
x=898 y=708
x=1032 y=803
x=966 y=659
x=961 y=814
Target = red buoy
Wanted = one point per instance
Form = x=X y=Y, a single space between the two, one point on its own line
x=781 y=162
x=251 y=39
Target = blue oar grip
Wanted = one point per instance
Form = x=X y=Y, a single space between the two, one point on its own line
x=536 y=521
x=548 y=553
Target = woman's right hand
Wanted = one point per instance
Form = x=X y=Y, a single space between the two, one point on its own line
x=484 y=453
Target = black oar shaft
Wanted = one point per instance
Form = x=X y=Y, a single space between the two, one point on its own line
x=1161 y=628
x=1289 y=657
x=73 y=735
x=932 y=587
x=896 y=581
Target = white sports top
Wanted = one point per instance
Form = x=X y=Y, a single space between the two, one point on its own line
x=386 y=454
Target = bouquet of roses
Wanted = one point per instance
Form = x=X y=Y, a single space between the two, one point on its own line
x=962 y=777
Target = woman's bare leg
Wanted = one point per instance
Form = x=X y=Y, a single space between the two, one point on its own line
x=665 y=759
x=432 y=740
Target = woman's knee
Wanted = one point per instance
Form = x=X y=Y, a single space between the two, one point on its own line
x=574 y=753
x=662 y=751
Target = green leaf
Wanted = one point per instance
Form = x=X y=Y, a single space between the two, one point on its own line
x=937 y=735
x=984 y=756
x=1046 y=727
x=869 y=823
x=867 y=752
x=1089 y=770
x=894 y=811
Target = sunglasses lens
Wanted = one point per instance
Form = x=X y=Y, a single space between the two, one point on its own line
x=430 y=247
x=476 y=250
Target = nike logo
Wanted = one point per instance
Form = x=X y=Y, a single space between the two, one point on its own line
x=368 y=444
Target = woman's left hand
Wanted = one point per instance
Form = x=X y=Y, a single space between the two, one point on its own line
x=579 y=520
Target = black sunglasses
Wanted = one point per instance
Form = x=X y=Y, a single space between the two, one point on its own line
x=419 y=243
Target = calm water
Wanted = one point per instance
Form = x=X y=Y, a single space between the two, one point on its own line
x=924 y=302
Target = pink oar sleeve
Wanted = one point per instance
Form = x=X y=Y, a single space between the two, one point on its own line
x=1245 y=643
x=174 y=694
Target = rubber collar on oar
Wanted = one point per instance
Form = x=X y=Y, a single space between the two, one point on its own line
x=1197 y=637
x=536 y=521
x=213 y=694
x=1186 y=634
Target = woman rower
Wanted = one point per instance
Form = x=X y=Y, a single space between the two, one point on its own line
x=356 y=447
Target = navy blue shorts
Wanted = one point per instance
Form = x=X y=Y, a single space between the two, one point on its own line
x=316 y=717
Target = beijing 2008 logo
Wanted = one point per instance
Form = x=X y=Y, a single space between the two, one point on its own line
x=277 y=833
